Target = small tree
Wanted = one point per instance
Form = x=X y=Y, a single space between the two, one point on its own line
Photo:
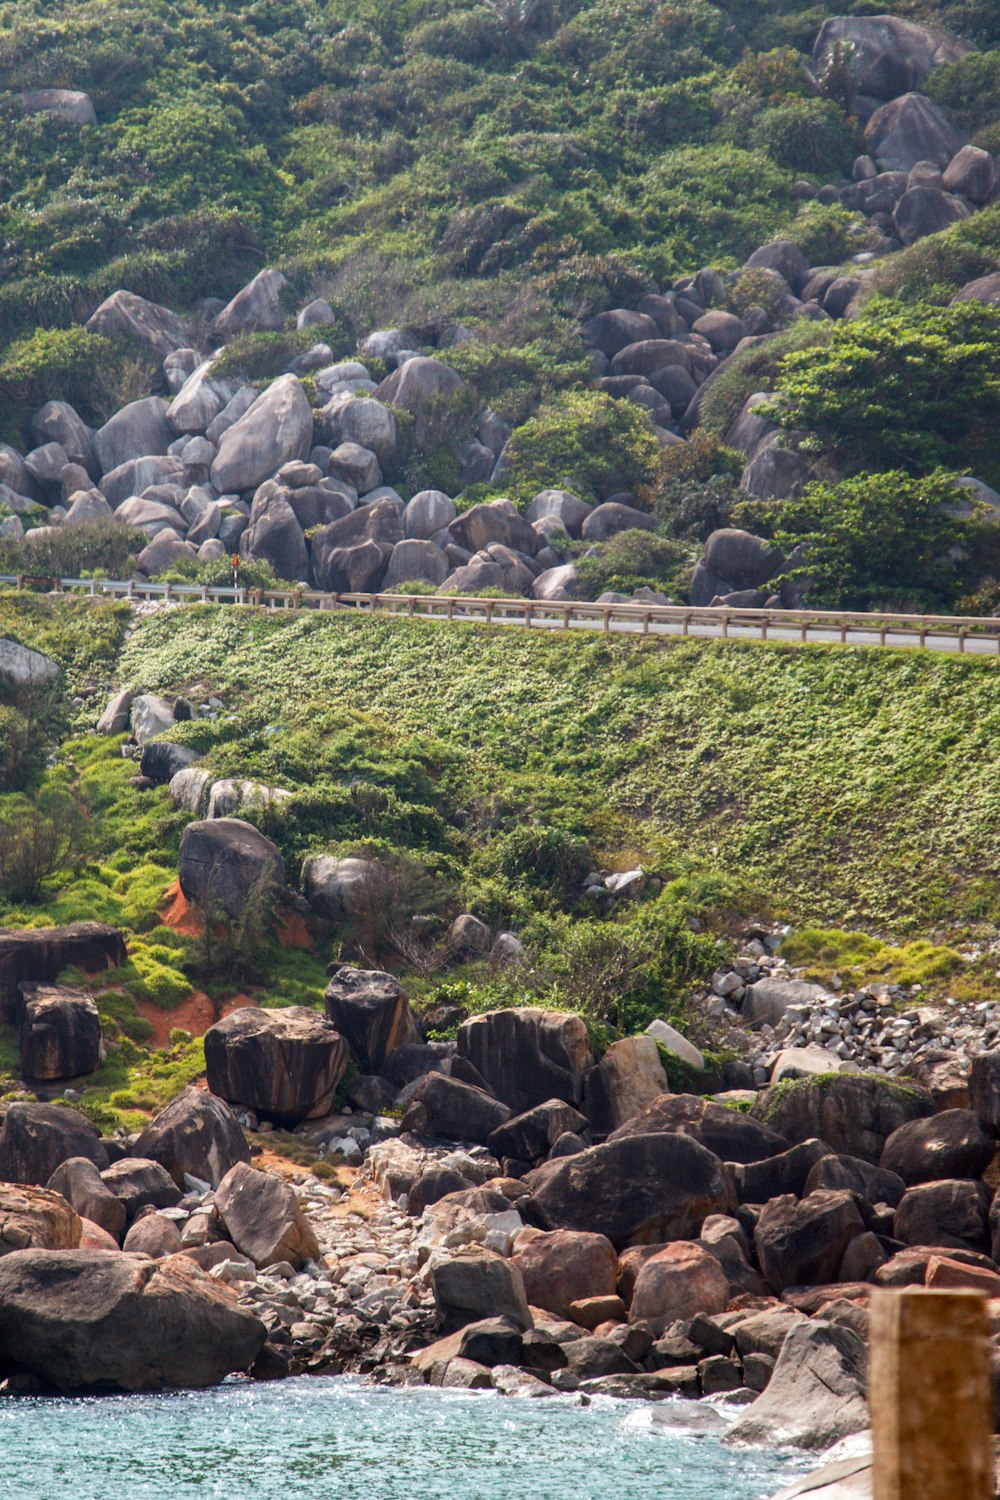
x=231 y=948
x=39 y=837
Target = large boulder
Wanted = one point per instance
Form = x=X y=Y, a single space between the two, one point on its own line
x=478 y=1284
x=767 y=999
x=744 y=560
x=263 y=1218
x=69 y=104
x=60 y=1032
x=759 y=1181
x=565 y=1266
x=276 y=429
x=849 y=1174
x=952 y=1144
x=224 y=862
x=912 y=129
x=342 y=888
x=58 y=422
x=260 y=305
x=376 y=527
x=528 y=1056
x=614 y=330
x=197 y=1135
x=138 y=1183
x=137 y=430
x=200 y=399
x=426 y=388
x=727 y=1133
x=365 y=421
x=855 y=1114
x=563 y=505
x=925 y=210
x=415 y=561
x=429 y=512
x=985 y=289
x=444 y=1106
x=802 y=1243
x=628 y=1078
x=37 y=1138
x=371 y=1012
x=496 y=522
x=275 y=536
x=36 y=1218
x=636 y=1191
x=89 y=1321
x=79 y=1182
x=612 y=517
x=887 y=56
x=817 y=1393
x=972 y=174
x=22 y=668
x=950 y=1214
x=679 y=1281
x=282 y=1063
x=124 y=315
x=984 y=1089
x=784 y=257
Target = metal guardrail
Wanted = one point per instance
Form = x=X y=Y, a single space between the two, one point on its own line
x=816 y=626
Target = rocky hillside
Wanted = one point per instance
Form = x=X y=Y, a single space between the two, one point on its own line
x=750 y=355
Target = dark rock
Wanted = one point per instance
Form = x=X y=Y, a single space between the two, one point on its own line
x=909 y=1267
x=971 y=174
x=153 y=1235
x=785 y=257
x=498 y=522
x=985 y=289
x=854 y=1113
x=802 y=1243
x=746 y=561
x=138 y=1183
x=528 y=1056
x=725 y=1132
x=263 y=1218
x=224 y=862
x=850 y=1174
x=443 y=1106
x=614 y=330
x=609 y=519
x=283 y=1063
x=911 y=129
x=951 y=1144
x=591 y=1358
x=984 y=1089
x=275 y=536
x=162 y=759
x=887 y=55
x=490 y=1342
x=926 y=210
x=60 y=1032
x=475 y=1285
x=952 y=1214
x=41 y=953
x=433 y=1186
x=198 y=1135
x=532 y=1134
x=38 y=1138
x=413 y=1060
x=89 y=1321
x=637 y=1191
x=376 y=528
x=369 y=1009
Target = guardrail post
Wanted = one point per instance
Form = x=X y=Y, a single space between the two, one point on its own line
x=923 y=632
x=527 y=613
x=961 y=638
x=725 y=626
x=763 y=629
x=931 y=1395
x=566 y=615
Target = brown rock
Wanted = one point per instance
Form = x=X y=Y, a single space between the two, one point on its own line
x=952 y=1144
x=532 y=1134
x=79 y=1182
x=60 y=1032
x=528 y=1056
x=639 y=1190
x=598 y=1313
x=263 y=1218
x=444 y=1106
x=41 y=954
x=152 y=1234
x=943 y=1273
x=803 y=1243
x=564 y=1266
x=285 y=1064
x=90 y=1321
x=728 y=1134
x=197 y=1134
x=854 y=1113
x=37 y=1138
x=949 y=1214
x=371 y=1012
x=478 y=1284
x=93 y=1237
x=137 y=1184
x=909 y=1267
x=33 y=1217
x=628 y=1078
x=678 y=1282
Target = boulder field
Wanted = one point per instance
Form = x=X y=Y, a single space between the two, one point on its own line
x=491 y=1232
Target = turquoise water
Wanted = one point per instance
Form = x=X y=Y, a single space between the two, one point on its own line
x=335 y=1439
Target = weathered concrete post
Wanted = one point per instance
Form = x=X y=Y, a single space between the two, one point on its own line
x=931 y=1395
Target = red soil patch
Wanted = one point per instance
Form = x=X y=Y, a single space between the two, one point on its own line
x=195 y=1014
x=178 y=914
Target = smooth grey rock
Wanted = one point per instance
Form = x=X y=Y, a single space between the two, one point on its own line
x=276 y=428
x=124 y=315
x=260 y=305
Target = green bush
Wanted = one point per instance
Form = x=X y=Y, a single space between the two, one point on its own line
x=913 y=387
x=632 y=560
x=586 y=441
x=106 y=549
x=875 y=541
x=811 y=136
x=754 y=370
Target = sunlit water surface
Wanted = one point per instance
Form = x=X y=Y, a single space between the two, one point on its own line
x=335 y=1439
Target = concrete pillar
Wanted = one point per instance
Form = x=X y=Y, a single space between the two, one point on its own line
x=931 y=1395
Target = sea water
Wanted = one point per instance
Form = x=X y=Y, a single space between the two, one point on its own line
x=339 y=1439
